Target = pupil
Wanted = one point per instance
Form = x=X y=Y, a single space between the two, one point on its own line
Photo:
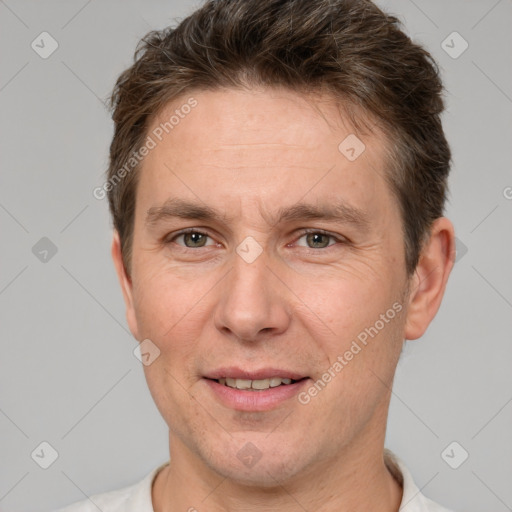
x=196 y=239
x=315 y=238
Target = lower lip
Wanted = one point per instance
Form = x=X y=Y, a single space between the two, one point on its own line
x=264 y=400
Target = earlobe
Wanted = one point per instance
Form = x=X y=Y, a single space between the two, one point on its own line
x=431 y=275
x=126 y=284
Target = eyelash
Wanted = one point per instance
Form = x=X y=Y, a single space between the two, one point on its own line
x=168 y=240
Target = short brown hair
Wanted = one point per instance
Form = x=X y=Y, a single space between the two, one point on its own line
x=349 y=48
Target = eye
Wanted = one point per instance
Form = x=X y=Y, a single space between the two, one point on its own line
x=192 y=238
x=318 y=239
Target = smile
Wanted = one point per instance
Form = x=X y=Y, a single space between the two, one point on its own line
x=254 y=390
x=256 y=385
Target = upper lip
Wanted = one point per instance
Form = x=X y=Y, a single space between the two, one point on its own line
x=263 y=373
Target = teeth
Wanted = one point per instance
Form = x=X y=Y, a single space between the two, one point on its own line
x=241 y=383
x=261 y=384
x=275 y=381
x=254 y=384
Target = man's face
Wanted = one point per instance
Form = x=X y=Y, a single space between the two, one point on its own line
x=265 y=289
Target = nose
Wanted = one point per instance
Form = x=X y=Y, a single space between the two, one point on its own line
x=253 y=301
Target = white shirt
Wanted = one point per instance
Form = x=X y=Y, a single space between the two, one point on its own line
x=137 y=497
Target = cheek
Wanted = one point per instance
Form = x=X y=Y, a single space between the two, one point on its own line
x=168 y=389
x=356 y=381
x=361 y=346
x=347 y=304
x=163 y=302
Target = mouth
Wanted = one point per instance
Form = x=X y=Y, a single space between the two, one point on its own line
x=259 y=390
x=257 y=384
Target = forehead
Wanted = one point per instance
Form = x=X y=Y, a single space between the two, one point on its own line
x=267 y=116
x=253 y=142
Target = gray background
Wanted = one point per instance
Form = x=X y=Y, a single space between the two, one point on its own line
x=68 y=375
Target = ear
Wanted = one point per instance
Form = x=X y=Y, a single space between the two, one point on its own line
x=126 y=285
x=429 y=280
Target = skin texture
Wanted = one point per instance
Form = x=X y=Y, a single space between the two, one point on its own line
x=298 y=306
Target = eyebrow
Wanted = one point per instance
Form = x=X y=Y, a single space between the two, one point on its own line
x=183 y=209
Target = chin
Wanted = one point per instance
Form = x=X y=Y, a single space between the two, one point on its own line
x=255 y=461
x=268 y=474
